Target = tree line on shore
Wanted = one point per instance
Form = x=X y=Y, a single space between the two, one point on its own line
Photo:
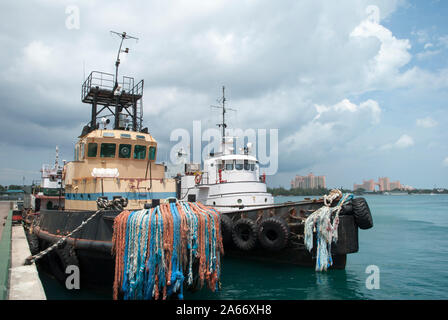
x=280 y=191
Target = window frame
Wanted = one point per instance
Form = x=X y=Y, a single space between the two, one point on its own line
x=119 y=150
x=139 y=145
x=237 y=163
x=154 y=154
x=88 y=149
x=115 y=150
x=229 y=163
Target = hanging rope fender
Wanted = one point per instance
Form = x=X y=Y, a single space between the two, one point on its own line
x=326 y=230
x=153 y=248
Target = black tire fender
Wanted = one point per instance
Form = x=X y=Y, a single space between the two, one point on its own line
x=59 y=259
x=244 y=234
x=226 y=228
x=33 y=242
x=361 y=213
x=273 y=233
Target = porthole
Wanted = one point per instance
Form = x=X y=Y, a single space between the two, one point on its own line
x=239 y=201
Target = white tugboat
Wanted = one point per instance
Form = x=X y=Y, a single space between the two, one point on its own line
x=228 y=181
x=50 y=194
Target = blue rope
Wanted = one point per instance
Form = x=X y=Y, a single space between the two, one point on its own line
x=139 y=275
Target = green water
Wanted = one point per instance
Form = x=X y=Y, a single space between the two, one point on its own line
x=408 y=243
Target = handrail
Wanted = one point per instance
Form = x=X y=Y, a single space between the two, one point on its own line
x=106 y=81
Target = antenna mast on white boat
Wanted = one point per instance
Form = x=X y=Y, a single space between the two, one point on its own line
x=56 y=161
x=223 y=124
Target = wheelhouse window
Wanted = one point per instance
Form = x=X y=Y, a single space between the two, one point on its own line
x=229 y=165
x=239 y=165
x=81 y=151
x=124 y=151
x=246 y=165
x=252 y=166
x=76 y=152
x=139 y=152
x=108 y=150
x=92 y=149
x=152 y=153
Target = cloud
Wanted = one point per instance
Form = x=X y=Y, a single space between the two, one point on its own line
x=392 y=55
x=332 y=130
x=445 y=162
x=316 y=70
x=403 y=142
x=427 y=54
x=427 y=122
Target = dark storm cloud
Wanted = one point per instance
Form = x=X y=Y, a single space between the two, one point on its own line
x=278 y=60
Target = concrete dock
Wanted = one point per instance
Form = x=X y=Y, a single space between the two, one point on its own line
x=19 y=282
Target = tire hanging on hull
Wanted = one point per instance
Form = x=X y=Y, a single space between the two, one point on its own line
x=244 y=234
x=226 y=229
x=273 y=233
x=361 y=213
x=59 y=259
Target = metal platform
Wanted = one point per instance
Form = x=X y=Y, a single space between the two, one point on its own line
x=99 y=88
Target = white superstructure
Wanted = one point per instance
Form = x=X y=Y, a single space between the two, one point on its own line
x=228 y=181
x=51 y=177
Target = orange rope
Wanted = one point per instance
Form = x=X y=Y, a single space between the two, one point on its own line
x=118 y=248
x=205 y=271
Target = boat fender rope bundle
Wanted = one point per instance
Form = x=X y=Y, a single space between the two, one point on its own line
x=326 y=230
x=156 y=250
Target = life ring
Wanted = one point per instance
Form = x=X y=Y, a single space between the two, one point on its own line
x=273 y=233
x=198 y=178
x=59 y=259
x=226 y=228
x=244 y=234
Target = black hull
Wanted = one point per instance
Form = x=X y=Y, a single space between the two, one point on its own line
x=92 y=244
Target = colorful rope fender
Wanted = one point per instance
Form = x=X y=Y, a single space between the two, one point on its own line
x=158 y=251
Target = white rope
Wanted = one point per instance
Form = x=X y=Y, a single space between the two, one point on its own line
x=327 y=231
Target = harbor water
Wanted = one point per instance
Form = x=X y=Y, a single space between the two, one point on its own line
x=408 y=245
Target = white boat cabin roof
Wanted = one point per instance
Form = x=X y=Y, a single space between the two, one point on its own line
x=227 y=157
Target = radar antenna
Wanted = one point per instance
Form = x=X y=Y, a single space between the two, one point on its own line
x=123 y=36
x=223 y=124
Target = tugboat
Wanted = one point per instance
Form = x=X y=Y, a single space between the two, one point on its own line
x=253 y=226
x=113 y=161
x=49 y=195
x=228 y=181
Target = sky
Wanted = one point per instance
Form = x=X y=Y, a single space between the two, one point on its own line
x=356 y=89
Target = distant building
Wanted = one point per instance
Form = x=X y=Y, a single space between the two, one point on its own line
x=384 y=184
x=366 y=185
x=308 y=182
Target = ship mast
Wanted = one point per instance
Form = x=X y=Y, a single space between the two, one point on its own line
x=112 y=98
x=117 y=62
x=223 y=124
x=56 y=161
